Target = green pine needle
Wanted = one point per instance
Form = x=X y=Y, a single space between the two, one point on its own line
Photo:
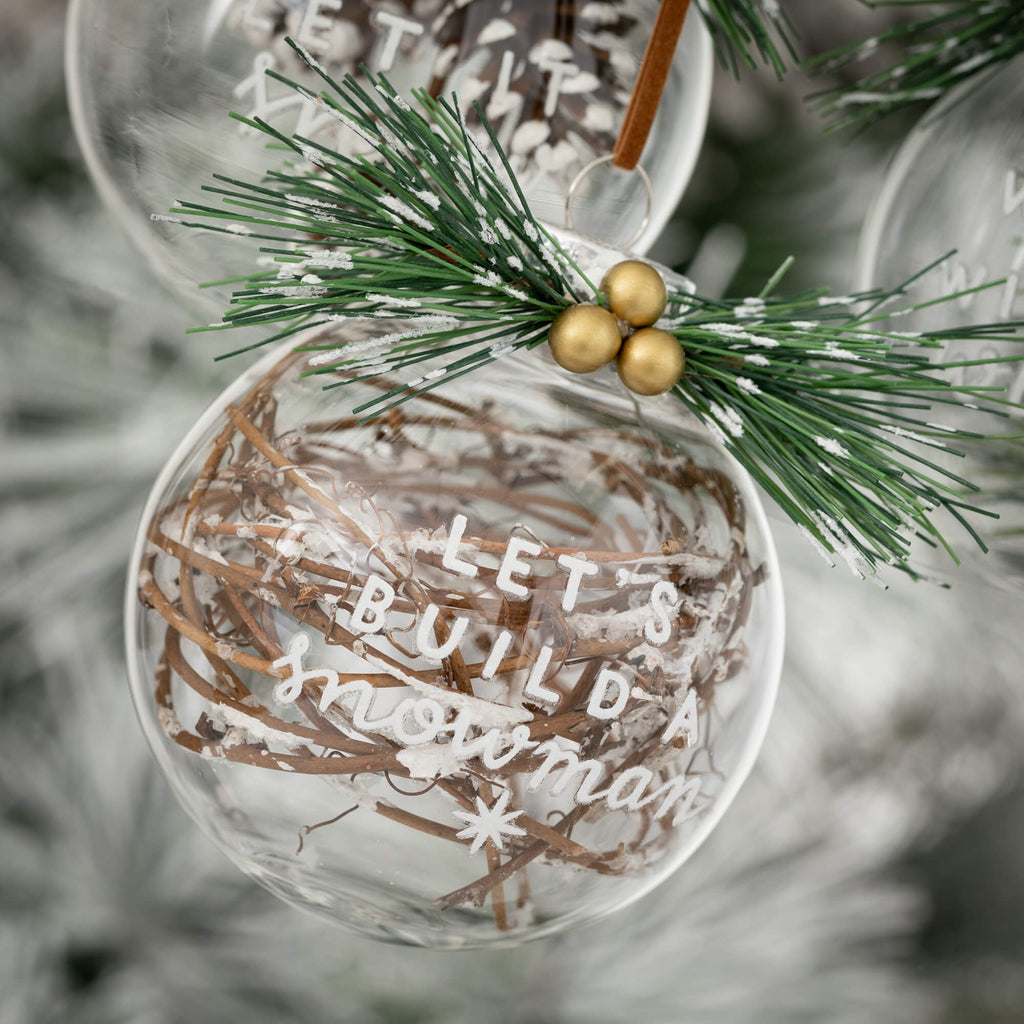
x=829 y=411
x=745 y=32
x=950 y=43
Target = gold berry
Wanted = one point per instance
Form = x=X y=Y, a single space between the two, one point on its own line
x=584 y=337
x=636 y=292
x=651 y=361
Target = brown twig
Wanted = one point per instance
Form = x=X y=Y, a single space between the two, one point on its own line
x=280 y=529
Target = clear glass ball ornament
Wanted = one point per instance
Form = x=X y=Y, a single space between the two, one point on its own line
x=488 y=666
x=957 y=183
x=151 y=86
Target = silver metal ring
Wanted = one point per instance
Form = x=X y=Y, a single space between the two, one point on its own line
x=578 y=180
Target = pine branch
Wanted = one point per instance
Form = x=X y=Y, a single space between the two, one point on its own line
x=832 y=416
x=431 y=231
x=828 y=410
x=748 y=33
x=939 y=50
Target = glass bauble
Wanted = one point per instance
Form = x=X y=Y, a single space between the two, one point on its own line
x=957 y=183
x=489 y=665
x=151 y=86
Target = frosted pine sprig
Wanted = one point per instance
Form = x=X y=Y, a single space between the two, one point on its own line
x=948 y=44
x=838 y=418
x=430 y=231
x=828 y=410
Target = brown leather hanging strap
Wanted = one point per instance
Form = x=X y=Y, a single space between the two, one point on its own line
x=650 y=84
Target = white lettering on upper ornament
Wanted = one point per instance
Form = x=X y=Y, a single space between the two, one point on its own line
x=324 y=33
x=1013 y=191
x=316 y=24
x=1010 y=292
x=958 y=278
x=256 y=85
x=505 y=102
x=396 y=27
x=255 y=21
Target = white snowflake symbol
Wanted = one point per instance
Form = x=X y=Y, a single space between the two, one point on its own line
x=489 y=823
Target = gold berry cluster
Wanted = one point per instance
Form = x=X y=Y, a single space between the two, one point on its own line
x=585 y=337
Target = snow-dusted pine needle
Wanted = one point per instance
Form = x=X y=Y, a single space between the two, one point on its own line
x=947 y=44
x=748 y=32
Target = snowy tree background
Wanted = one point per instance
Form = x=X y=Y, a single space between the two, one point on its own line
x=871 y=870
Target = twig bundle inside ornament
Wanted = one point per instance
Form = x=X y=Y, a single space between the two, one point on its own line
x=549 y=647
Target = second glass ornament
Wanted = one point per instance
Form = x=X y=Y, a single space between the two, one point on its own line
x=151 y=87
x=956 y=187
